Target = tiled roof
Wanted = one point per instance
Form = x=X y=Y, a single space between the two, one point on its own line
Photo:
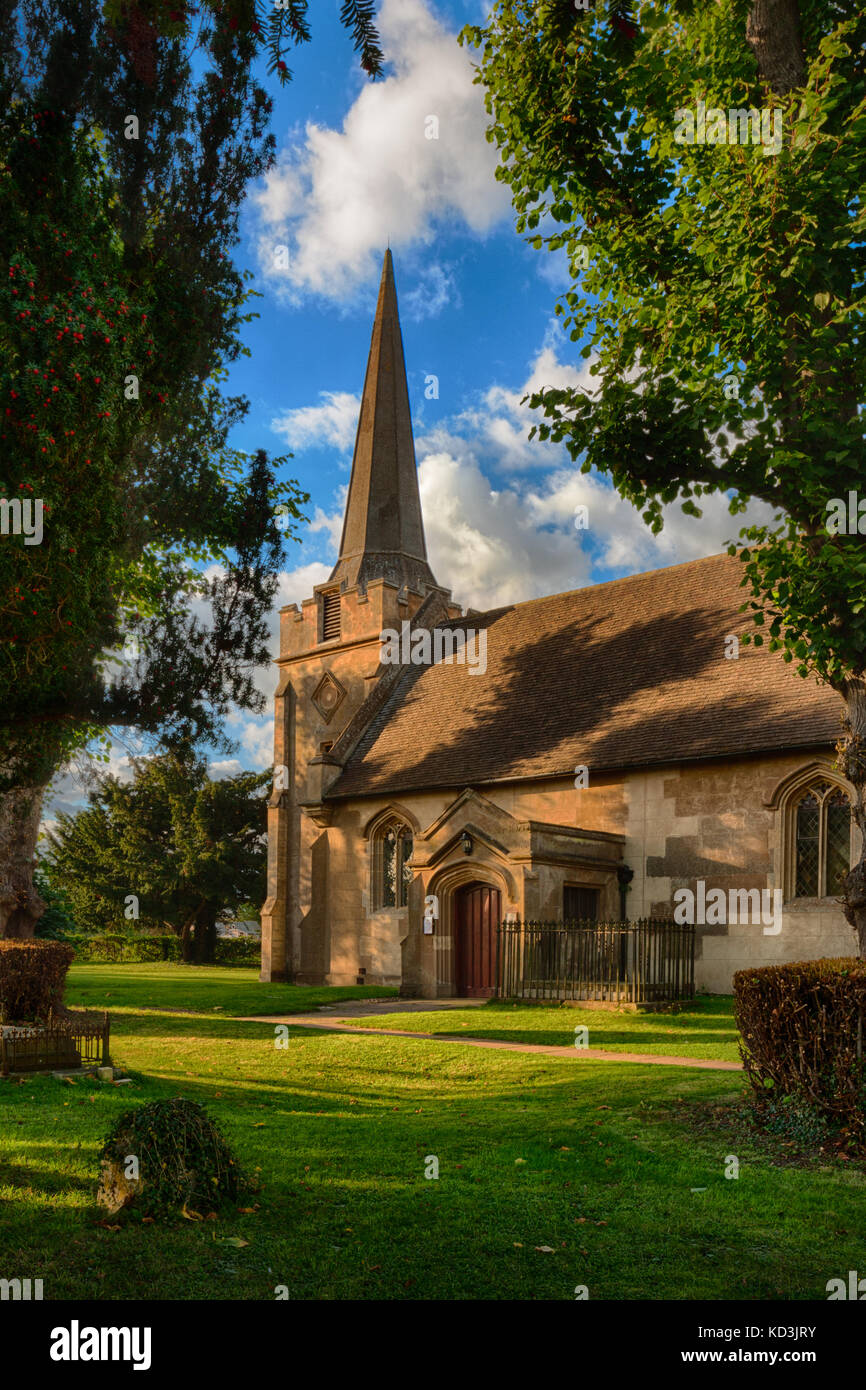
x=619 y=675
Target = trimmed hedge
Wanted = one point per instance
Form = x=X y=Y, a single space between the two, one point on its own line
x=32 y=977
x=118 y=948
x=802 y=1028
x=238 y=950
x=131 y=948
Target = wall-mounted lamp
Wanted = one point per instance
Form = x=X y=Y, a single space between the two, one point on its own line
x=466 y=842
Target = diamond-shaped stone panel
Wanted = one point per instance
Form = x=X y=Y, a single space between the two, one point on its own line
x=328 y=696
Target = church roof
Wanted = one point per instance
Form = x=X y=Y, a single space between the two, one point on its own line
x=383 y=532
x=619 y=675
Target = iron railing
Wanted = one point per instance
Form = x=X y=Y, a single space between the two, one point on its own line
x=647 y=961
x=60 y=1044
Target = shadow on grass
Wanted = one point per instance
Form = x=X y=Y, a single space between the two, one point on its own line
x=542 y=1157
x=702 y=1005
x=152 y=1023
x=638 y=1041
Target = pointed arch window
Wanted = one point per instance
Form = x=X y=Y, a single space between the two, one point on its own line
x=822 y=827
x=392 y=849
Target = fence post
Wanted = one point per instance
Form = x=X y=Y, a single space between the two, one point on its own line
x=500 y=941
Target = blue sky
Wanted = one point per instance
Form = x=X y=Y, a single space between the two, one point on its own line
x=356 y=170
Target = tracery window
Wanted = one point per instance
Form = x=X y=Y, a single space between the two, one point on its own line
x=822 y=841
x=392 y=850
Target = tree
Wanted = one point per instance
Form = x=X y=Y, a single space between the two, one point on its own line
x=717 y=285
x=57 y=920
x=171 y=846
x=132 y=129
x=124 y=159
x=272 y=26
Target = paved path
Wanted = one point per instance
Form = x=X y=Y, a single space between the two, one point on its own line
x=367 y=1008
x=594 y=1054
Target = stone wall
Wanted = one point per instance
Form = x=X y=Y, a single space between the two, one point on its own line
x=720 y=822
x=716 y=822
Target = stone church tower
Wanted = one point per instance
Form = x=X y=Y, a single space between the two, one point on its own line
x=331 y=680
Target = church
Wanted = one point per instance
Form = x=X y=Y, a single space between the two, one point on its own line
x=584 y=756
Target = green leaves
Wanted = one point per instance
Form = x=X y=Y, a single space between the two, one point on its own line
x=119 y=275
x=723 y=309
x=177 y=840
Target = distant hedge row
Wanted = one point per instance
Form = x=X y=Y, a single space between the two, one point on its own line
x=131 y=948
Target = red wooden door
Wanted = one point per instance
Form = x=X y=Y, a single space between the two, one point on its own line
x=477 y=909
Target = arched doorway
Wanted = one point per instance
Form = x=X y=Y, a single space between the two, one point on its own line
x=477 y=909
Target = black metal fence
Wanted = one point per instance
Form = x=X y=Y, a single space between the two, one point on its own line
x=62 y=1044
x=645 y=962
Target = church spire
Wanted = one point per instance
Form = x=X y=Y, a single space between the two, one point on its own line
x=383 y=533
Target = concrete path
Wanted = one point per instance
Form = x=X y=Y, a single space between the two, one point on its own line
x=593 y=1054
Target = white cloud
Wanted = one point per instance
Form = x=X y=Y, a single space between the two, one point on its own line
x=483 y=541
x=500 y=424
x=621 y=539
x=227 y=767
x=332 y=525
x=257 y=739
x=552 y=268
x=337 y=197
x=495 y=544
x=435 y=289
x=331 y=424
x=298 y=584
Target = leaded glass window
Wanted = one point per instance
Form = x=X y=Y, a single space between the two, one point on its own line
x=808 y=847
x=393 y=850
x=823 y=841
x=838 y=810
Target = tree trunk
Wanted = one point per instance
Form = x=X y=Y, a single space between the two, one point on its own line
x=773 y=34
x=210 y=940
x=20 y=904
x=205 y=934
x=186 y=940
x=852 y=763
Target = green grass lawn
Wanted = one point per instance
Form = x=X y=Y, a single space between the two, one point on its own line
x=200 y=988
x=705 y=1030
x=596 y=1162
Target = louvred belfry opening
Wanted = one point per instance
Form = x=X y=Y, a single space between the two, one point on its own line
x=330 y=615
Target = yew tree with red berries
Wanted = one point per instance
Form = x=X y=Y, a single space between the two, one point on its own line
x=130 y=134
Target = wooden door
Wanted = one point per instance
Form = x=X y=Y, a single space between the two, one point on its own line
x=476 y=919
